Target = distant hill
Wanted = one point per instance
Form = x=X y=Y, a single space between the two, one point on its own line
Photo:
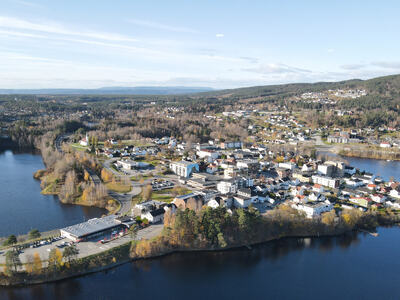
x=387 y=86
x=145 y=90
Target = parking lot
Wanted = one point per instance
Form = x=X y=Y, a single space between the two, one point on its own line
x=89 y=247
x=158 y=185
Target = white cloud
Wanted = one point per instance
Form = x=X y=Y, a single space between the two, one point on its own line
x=9 y=33
x=26 y=3
x=55 y=28
x=219 y=35
x=331 y=50
x=354 y=66
x=395 y=65
x=160 y=26
x=276 y=69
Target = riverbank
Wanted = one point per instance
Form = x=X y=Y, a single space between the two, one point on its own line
x=23 y=279
x=371 y=154
x=129 y=252
x=51 y=185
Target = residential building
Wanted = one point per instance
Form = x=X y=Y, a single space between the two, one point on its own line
x=184 y=168
x=231 y=145
x=326 y=181
x=227 y=186
x=313 y=209
x=360 y=201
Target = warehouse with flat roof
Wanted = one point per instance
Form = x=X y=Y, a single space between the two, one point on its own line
x=93 y=227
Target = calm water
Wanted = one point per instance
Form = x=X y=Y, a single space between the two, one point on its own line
x=383 y=168
x=22 y=205
x=353 y=266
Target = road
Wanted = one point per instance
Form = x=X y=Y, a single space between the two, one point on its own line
x=123 y=199
x=59 y=140
x=88 y=248
x=321 y=146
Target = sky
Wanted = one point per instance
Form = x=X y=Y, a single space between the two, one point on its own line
x=208 y=43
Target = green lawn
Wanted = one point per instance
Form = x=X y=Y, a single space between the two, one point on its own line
x=162 y=197
x=78 y=147
x=118 y=187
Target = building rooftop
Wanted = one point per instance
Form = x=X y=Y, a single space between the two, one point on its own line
x=183 y=163
x=92 y=226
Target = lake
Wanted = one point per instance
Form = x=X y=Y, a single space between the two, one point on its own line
x=352 y=266
x=383 y=168
x=23 y=207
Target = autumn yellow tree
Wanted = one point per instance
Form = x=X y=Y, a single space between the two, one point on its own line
x=29 y=263
x=147 y=191
x=328 y=218
x=86 y=175
x=37 y=263
x=106 y=176
x=351 y=216
x=55 y=258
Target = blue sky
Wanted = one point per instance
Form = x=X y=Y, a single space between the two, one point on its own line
x=219 y=44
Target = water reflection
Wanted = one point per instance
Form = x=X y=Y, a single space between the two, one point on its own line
x=23 y=207
x=261 y=272
x=379 y=167
x=244 y=258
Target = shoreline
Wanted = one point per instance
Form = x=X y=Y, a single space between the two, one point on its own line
x=38 y=177
x=25 y=282
x=361 y=153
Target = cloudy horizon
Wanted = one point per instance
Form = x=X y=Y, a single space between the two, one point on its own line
x=219 y=45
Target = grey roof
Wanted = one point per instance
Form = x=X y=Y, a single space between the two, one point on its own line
x=157 y=212
x=183 y=163
x=92 y=226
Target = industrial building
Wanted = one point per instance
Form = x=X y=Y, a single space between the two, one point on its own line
x=95 y=227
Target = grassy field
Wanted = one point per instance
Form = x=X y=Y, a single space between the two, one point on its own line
x=158 y=196
x=144 y=176
x=118 y=187
x=78 y=147
x=162 y=197
x=137 y=143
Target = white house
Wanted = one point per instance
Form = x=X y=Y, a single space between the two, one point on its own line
x=325 y=169
x=209 y=154
x=184 y=168
x=287 y=165
x=242 y=201
x=395 y=193
x=154 y=216
x=378 y=198
x=385 y=145
x=85 y=141
x=316 y=197
x=213 y=203
x=231 y=145
x=394 y=204
x=306 y=168
x=318 y=188
x=314 y=209
x=326 y=181
x=353 y=182
x=227 y=186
